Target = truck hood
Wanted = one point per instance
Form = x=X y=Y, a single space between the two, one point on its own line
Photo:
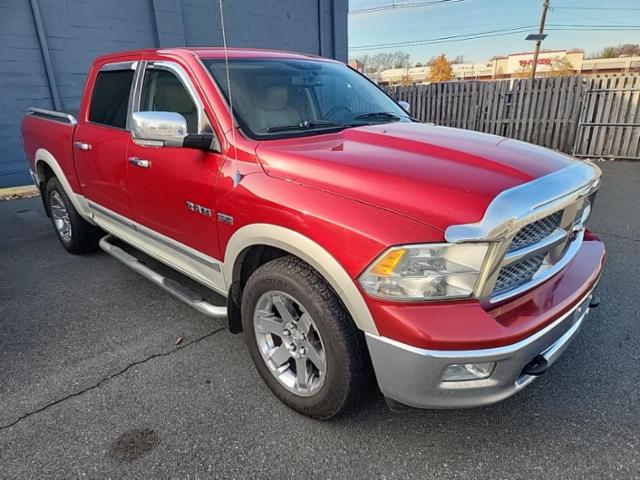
x=436 y=175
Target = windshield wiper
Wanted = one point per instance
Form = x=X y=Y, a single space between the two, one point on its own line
x=306 y=125
x=382 y=115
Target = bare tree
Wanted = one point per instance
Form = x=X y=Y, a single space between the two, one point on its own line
x=624 y=50
x=384 y=61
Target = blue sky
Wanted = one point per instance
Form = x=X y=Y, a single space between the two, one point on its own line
x=457 y=17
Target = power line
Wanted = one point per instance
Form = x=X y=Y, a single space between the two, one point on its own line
x=587 y=17
x=465 y=36
x=395 y=6
x=378 y=33
x=595 y=8
x=628 y=28
x=494 y=33
x=514 y=29
x=595 y=27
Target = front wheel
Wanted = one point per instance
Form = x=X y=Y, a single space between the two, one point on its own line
x=302 y=340
x=74 y=232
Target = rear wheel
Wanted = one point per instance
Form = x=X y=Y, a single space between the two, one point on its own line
x=75 y=233
x=302 y=340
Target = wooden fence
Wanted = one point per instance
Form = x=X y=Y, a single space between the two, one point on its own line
x=610 y=119
x=597 y=117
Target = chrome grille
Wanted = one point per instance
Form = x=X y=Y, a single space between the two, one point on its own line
x=539 y=219
x=516 y=274
x=536 y=231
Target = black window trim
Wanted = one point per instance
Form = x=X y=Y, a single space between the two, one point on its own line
x=114 y=67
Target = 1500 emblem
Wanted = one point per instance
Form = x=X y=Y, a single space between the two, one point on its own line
x=194 y=207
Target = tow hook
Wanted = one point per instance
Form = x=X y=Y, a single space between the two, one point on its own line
x=595 y=302
x=536 y=367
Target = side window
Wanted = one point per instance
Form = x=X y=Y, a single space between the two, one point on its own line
x=110 y=98
x=162 y=91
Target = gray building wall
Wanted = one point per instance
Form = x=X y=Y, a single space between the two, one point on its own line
x=47 y=46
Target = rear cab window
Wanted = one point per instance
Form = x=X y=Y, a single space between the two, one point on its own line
x=110 y=98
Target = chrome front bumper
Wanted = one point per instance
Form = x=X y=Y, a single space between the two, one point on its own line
x=413 y=376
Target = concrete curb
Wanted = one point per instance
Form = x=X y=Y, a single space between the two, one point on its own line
x=18 y=192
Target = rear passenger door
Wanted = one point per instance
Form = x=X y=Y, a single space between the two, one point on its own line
x=101 y=139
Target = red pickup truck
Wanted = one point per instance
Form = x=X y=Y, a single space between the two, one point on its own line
x=348 y=239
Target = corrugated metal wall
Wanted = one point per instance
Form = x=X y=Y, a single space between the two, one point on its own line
x=69 y=34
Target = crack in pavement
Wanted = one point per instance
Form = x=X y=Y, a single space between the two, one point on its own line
x=109 y=377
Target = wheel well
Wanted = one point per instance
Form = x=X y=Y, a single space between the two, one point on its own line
x=44 y=173
x=249 y=260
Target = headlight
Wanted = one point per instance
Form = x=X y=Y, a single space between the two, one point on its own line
x=425 y=272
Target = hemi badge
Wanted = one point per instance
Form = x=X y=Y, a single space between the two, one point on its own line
x=228 y=219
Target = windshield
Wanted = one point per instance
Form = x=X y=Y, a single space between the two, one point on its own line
x=282 y=97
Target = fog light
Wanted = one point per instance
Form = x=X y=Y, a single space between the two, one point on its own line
x=460 y=372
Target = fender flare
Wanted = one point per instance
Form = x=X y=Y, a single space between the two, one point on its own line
x=309 y=251
x=44 y=156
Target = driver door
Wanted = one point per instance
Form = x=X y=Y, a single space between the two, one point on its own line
x=172 y=188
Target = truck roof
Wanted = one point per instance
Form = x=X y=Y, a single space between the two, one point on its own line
x=214 y=52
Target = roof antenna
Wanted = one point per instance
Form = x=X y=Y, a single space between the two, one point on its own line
x=237 y=176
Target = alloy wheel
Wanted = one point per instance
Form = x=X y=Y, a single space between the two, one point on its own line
x=60 y=216
x=290 y=343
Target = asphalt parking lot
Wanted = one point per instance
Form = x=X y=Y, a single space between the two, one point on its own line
x=93 y=384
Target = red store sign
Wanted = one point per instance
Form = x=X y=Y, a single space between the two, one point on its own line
x=541 y=61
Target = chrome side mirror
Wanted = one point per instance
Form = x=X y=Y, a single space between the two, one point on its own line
x=405 y=106
x=169 y=129
x=163 y=129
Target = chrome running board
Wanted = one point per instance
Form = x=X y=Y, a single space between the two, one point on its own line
x=176 y=289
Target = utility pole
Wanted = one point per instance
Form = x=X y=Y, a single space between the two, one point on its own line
x=543 y=17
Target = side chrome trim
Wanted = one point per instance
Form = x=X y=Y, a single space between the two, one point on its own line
x=186 y=260
x=52 y=115
x=169 y=243
x=526 y=203
x=174 y=288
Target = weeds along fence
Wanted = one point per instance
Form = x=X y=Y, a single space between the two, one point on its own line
x=587 y=117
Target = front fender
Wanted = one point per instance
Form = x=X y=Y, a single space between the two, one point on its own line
x=309 y=251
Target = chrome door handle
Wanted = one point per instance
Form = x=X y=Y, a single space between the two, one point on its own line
x=139 y=162
x=82 y=145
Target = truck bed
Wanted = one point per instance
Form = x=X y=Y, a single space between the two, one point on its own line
x=50 y=133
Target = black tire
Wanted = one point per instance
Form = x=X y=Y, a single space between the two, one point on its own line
x=84 y=236
x=348 y=367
